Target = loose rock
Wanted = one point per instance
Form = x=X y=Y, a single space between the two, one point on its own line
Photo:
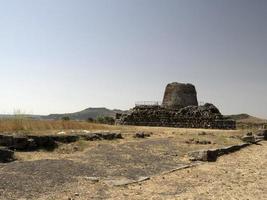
x=203 y=155
x=142 y=135
x=249 y=137
x=6 y=155
x=262 y=133
x=193 y=141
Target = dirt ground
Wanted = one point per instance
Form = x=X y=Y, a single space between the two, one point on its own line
x=91 y=170
x=241 y=175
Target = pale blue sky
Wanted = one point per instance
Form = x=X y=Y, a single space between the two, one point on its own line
x=61 y=56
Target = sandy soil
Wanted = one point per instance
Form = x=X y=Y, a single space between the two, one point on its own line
x=88 y=170
x=241 y=175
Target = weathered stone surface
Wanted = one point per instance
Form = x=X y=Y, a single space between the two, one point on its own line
x=6 y=140
x=262 y=133
x=203 y=155
x=179 y=95
x=43 y=142
x=90 y=137
x=206 y=116
x=21 y=143
x=212 y=154
x=6 y=155
x=100 y=136
x=129 y=159
x=250 y=139
x=179 y=109
x=67 y=138
x=109 y=136
x=50 y=142
x=193 y=141
x=17 y=142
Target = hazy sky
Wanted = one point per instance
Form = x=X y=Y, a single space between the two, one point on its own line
x=61 y=56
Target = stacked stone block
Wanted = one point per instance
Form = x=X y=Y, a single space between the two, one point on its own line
x=179 y=95
x=207 y=116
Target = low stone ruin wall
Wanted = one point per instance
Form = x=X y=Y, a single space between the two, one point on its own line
x=50 y=142
x=211 y=155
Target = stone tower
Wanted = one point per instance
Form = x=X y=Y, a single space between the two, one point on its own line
x=179 y=95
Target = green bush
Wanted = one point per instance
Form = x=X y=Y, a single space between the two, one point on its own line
x=105 y=120
x=90 y=119
x=66 y=118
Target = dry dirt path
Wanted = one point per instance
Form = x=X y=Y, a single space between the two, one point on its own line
x=241 y=175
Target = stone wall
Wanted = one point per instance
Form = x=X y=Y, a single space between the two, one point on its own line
x=207 y=116
x=179 y=95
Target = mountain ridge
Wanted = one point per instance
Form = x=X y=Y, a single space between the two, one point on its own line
x=247 y=119
x=91 y=112
x=94 y=112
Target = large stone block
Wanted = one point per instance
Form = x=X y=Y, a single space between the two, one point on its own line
x=204 y=155
x=179 y=95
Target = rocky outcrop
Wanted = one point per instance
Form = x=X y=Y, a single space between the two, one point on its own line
x=179 y=95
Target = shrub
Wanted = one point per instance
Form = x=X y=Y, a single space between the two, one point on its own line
x=90 y=119
x=105 y=120
x=66 y=118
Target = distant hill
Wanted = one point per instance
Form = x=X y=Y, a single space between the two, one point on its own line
x=3 y=116
x=85 y=114
x=247 y=119
x=101 y=111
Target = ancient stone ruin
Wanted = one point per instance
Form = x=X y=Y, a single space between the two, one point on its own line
x=179 y=95
x=179 y=109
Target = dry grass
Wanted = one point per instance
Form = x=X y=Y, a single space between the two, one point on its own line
x=177 y=136
x=30 y=125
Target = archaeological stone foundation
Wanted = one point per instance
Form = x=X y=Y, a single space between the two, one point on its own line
x=179 y=109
